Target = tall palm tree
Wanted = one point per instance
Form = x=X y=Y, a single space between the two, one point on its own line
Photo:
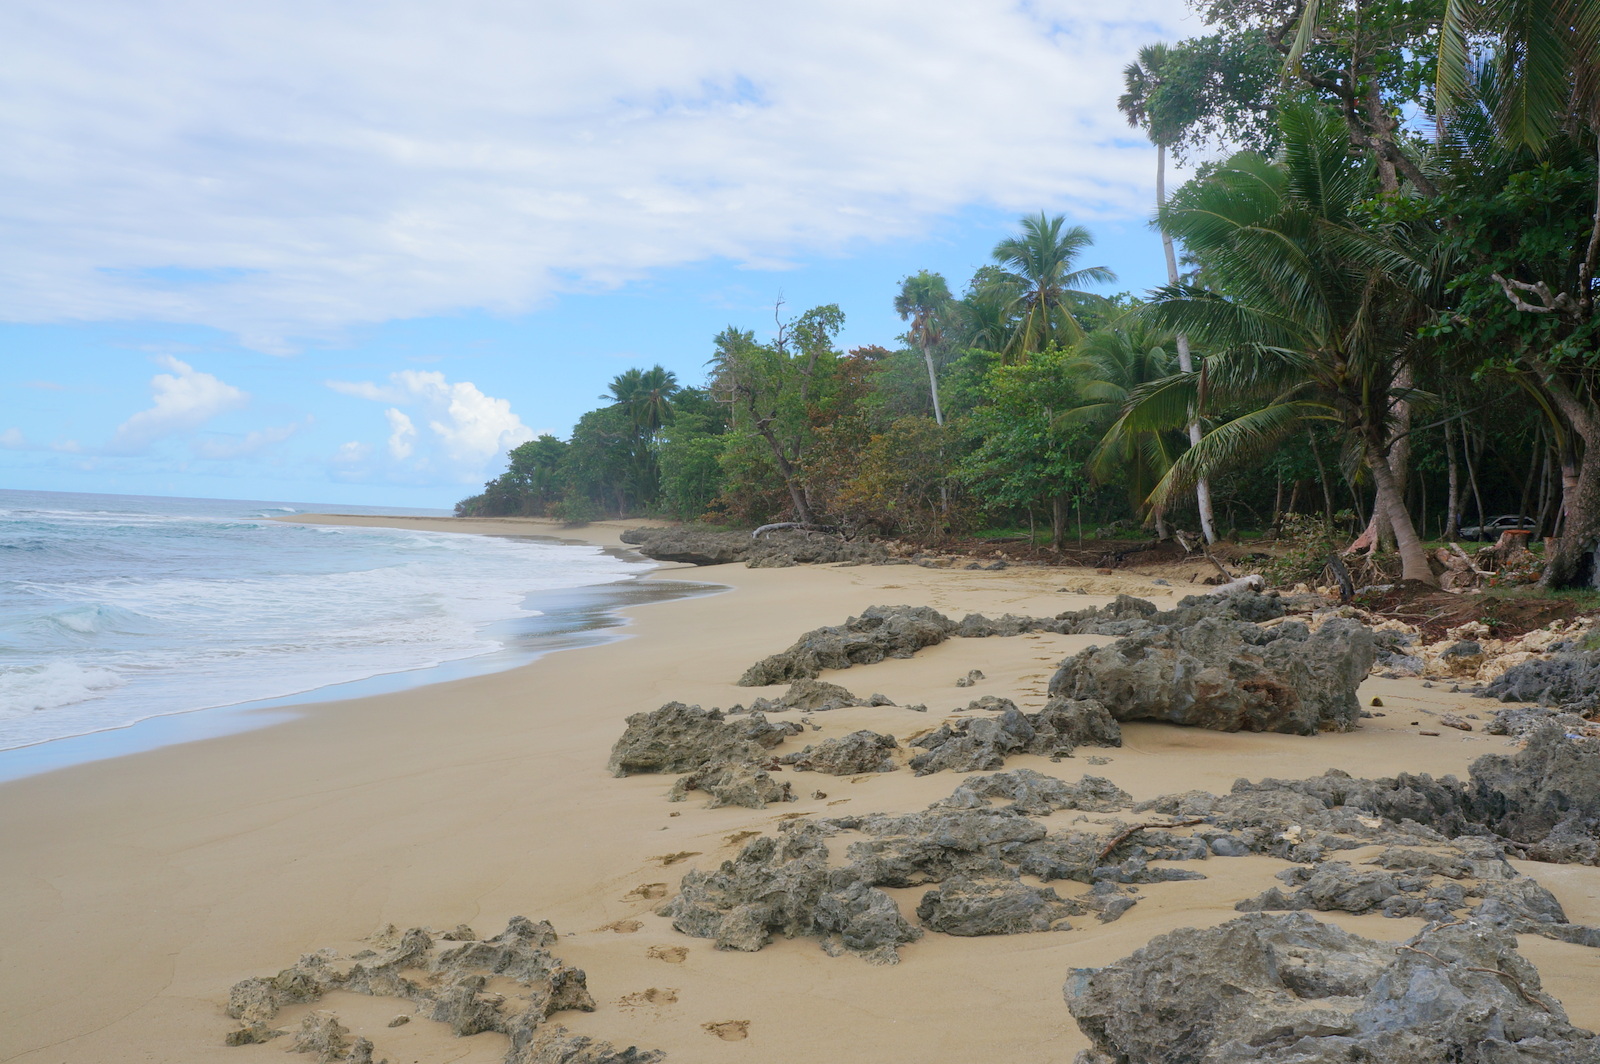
x=1141 y=104
x=925 y=301
x=646 y=395
x=1036 y=268
x=1315 y=304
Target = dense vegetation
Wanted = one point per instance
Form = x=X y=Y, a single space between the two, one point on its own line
x=1380 y=312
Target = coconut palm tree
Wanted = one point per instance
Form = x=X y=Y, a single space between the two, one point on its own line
x=646 y=395
x=1314 y=304
x=1111 y=368
x=925 y=301
x=1140 y=104
x=1036 y=270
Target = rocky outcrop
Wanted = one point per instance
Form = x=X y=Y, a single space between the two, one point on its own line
x=1287 y=988
x=808 y=696
x=967 y=908
x=978 y=744
x=1570 y=681
x=690 y=545
x=854 y=754
x=446 y=977
x=784 y=886
x=732 y=783
x=774 y=549
x=791 y=885
x=1228 y=675
x=880 y=632
x=1546 y=796
x=1035 y=794
x=680 y=738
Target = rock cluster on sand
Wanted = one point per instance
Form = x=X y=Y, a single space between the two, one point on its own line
x=446 y=977
x=720 y=757
x=1228 y=675
x=1210 y=663
x=775 y=549
x=1292 y=990
x=1568 y=680
x=978 y=744
x=974 y=849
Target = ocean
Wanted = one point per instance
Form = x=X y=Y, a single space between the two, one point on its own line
x=116 y=609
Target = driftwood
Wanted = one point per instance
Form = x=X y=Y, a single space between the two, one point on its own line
x=1124 y=836
x=798 y=526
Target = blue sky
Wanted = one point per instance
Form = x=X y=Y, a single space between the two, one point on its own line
x=354 y=252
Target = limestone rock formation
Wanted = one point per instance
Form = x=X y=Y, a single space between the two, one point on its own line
x=880 y=632
x=1289 y=989
x=680 y=738
x=732 y=783
x=1570 y=681
x=446 y=977
x=967 y=908
x=1228 y=675
x=853 y=754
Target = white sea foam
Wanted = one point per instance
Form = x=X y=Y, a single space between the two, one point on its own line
x=109 y=616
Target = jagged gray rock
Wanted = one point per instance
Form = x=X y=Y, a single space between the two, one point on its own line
x=968 y=908
x=1289 y=989
x=784 y=886
x=973 y=744
x=1546 y=795
x=447 y=978
x=1035 y=794
x=1228 y=675
x=1519 y=722
x=690 y=545
x=1568 y=680
x=774 y=549
x=808 y=696
x=880 y=632
x=680 y=738
x=1065 y=723
x=557 y=1045
x=732 y=783
x=321 y=1035
x=853 y=754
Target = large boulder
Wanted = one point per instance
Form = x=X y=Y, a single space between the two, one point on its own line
x=1546 y=796
x=855 y=754
x=680 y=738
x=1228 y=675
x=1569 y=680
x=1291 y=990
x=967 y=908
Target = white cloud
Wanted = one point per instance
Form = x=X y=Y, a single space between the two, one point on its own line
x=296 y=167
x=248 y=444
x=352 y=453
x=185 y=399
x=468 y=429
x=402 y=434
x=12 y=439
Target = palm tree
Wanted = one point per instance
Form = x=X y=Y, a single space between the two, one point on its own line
x=1036 y=270
x=925 y=300
x=1140 y=103
x=646 y=395
x=1315 y=306
x=1112 y=368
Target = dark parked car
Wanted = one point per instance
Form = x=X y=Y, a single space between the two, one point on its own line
x=1492 y=528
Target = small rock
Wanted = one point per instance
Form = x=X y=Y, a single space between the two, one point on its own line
x=1377 y=701
x=400 y=1021
x=1428 y=733
x=1450 y=720
x=972 y=677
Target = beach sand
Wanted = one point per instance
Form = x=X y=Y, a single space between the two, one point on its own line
x=134 y=892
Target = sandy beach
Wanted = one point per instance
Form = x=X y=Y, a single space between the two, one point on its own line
x=135 y=891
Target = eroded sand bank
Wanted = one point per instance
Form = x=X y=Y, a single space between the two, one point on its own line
x=135 y=892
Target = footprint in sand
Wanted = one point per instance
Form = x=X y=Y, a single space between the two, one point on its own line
x=670 y=954
x=729 y=1030
x=674 y=858
x=646 y=891
x=654 y=996
x=622 y=927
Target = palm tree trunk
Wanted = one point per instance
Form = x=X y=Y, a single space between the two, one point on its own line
x=1452 y=517
x=1202 y=487
x=933 y=386
x=1389 y=501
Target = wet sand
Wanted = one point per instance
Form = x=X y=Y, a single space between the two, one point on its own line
x=134 y=892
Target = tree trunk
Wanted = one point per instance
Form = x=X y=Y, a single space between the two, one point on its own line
x=1058 y=523
x=933 y=387
x=1413 y=559
x=791 y=477
x=1322 y=477
x=1572 y=562
x=1452 y=517
x=1202 y=486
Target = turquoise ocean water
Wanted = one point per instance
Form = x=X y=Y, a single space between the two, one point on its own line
x=117 y=609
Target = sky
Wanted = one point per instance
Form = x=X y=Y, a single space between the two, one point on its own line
x=354 y=252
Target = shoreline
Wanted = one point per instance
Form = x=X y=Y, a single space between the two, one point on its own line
x=138 y=890
x=559 y=619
